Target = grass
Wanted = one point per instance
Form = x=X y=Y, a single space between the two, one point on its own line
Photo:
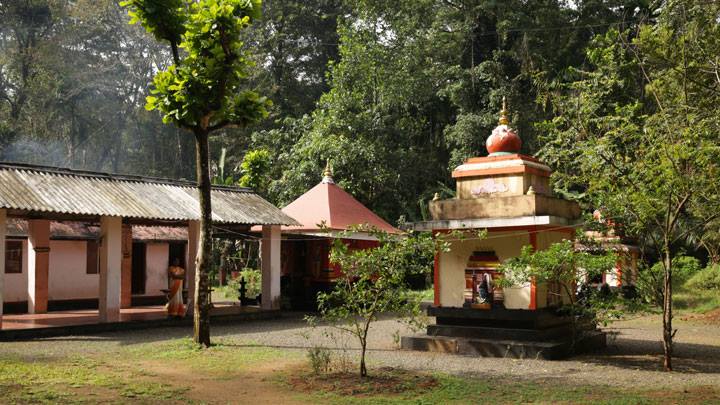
x=463 y=390
x=698 y=301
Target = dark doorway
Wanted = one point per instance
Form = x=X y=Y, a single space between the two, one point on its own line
x=177 y=251
x=138 y=268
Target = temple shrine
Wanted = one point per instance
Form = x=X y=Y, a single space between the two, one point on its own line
x=508 y=194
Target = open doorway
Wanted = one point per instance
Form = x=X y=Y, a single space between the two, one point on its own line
x=138 y=268
x=177 y=251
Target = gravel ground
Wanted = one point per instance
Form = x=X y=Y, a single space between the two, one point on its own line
x=632 y=359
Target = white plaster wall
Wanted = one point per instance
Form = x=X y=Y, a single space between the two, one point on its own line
x=16 y=286
x=68 y=274
x=452 y=264
x=156 y=260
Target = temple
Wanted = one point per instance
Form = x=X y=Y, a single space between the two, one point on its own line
x=324 y=212
x=507 y=194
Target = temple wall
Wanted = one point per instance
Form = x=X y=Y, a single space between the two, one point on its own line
x=452 y=264
x=156 y=268
x=68 y=278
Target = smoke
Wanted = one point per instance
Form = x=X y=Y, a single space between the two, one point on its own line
x=32 y=151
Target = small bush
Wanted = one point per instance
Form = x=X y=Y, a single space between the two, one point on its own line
x=651 y=280
x=705 y=279
x=254 y=283
x=319 y=359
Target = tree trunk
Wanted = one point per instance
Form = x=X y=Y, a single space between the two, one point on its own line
x=667 y=311
x=201 y=317
x=363 y=368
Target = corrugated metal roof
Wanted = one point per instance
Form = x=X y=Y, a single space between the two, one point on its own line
x=65 y=191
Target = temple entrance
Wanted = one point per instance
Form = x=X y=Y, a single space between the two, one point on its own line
x=138 y=268
x=481 y=275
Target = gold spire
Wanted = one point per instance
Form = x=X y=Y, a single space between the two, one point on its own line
x=328 y=170
x=327 y=173
x=503 y=114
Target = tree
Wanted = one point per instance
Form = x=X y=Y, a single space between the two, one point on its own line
x=255 y=167
x=203 y=91
x=636 y=133
x=562 y=267
x=374 y=281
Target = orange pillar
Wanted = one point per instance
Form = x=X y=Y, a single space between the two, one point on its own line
x=126 y=278
x=38 y=265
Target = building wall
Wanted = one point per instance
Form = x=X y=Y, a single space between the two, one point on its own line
x=452 y=264
x=68 y=278
x=68 y=272
x=156 y=277
x=16 y=285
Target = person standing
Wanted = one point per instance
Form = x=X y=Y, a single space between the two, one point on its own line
x=175 y=306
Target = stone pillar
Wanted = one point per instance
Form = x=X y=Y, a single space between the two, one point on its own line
x=270 y=257
x=38 y=265
x=3 y=229
x=126 y=278
x=110 y=268
x=192 y=251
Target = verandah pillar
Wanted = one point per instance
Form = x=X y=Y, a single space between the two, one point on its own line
x=126 y=278
x=192 y=251
x=110 y=268
x=38 y=265
x=270 y=256
x=3 y=228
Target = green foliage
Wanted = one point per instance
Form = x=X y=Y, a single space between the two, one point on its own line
x=564 y=266
x=255 y=168
x=319 y=358
x=373 y=281
x=206 y=89
x=705 y=279
x=165 y=19
x=252 y=277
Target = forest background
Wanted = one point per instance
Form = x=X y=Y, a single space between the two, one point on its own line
x=396 y=93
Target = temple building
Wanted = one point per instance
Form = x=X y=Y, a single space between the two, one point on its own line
x=508 y=194
x=71 y=237
x=325 y=212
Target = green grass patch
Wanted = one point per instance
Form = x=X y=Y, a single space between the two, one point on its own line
x=225 y=357
x=698 y=301
x=73 y=380
x=446 y=389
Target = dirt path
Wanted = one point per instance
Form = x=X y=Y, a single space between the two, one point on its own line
x=261 y=386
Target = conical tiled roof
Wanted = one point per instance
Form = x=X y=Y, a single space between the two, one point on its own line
x=328 y=203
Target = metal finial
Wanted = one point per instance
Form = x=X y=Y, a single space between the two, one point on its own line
x=327 y=173
x=503 y=114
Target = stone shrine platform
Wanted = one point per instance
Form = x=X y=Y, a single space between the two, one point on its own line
x=500 y=332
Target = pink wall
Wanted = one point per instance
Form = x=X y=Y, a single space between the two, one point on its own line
x=156 y=268
x=68 y=278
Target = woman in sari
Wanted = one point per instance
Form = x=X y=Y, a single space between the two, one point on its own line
x=175 y=306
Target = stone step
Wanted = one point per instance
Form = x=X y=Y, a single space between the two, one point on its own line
x=548 y=350
x=485 y=332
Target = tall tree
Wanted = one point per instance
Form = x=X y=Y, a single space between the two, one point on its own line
x=202 y=92
x=637 y=136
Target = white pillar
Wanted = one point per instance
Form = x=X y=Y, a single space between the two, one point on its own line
x=270 y=257
x=38 y=265
x=110 y=268
x=3 y=228
x=192 y=251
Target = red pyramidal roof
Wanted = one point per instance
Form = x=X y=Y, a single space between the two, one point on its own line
x=328 y=203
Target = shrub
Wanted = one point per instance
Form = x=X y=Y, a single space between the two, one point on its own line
x=319 y=359
x=254 y=283
x=705 y=279
x=650 y=283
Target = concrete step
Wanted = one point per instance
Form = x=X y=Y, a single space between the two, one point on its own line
x=485 y=332
x=546 y=350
